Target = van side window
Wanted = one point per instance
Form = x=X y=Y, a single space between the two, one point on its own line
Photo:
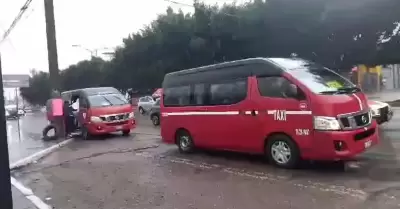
x=275 y=87
x=177 y=96
x=199 y=94
x=230 y=92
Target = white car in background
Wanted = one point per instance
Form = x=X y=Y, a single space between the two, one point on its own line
x=145 y=104
x=382 y=112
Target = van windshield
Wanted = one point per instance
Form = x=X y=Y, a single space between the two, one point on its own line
x=103 y=100
x=319 y=79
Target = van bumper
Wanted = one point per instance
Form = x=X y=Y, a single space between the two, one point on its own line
x=342 y=145
x=105 y=128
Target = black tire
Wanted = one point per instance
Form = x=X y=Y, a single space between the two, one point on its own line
x=126 y=132
x=282 y=146
x=85 y=134
x=184 y=141
x=155 y=119
x=141 y=110
x=45 y=131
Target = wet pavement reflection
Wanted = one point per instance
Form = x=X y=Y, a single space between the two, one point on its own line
x=29 y=140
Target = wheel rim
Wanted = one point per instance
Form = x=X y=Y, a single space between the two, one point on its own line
x=281 y=152
x=155 y=120
x=184 y=142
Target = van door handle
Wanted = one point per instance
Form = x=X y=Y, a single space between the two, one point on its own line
x=253 y=113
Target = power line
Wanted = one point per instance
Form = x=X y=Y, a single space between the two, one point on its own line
x=16 y=20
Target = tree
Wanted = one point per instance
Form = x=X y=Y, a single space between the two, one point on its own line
x=337 y=34
x=39 y=90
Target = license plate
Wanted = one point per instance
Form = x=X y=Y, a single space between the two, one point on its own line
x=118 y=127
x=367 y=144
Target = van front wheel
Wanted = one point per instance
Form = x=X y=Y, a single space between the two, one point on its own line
x=282 y=151
x=184 y=141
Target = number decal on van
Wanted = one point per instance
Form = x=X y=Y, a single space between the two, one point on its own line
x=280 y=115
x=302 y=132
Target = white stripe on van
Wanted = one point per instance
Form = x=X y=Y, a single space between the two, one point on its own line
x=270 y=112
x=201 y=113
x=291 y=112
x=249 y=112
x=359 y=101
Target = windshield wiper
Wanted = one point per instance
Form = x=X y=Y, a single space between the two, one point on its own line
x=109 y=102
x=349 y=89
x=120 y=99
x=329 y=92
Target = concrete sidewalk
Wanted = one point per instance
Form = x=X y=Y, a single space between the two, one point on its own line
x=20 y=201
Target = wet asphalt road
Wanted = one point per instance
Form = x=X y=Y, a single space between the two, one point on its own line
x=141 y=172
x=29 y=141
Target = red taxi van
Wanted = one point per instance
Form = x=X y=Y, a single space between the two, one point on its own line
x=286 y=108
x=101 y=111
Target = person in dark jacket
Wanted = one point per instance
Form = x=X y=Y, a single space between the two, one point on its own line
x=68 y=118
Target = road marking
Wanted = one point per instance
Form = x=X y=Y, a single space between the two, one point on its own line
x=28 y=160
x=28 y=193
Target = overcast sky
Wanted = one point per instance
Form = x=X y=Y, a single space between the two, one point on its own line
x=90 y=23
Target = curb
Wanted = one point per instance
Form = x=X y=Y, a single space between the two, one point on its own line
x=39 y=155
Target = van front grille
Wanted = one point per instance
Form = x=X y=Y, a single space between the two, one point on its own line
x=114 y=118
x=355 y=121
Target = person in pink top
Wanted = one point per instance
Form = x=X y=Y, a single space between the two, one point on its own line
x=55 y=115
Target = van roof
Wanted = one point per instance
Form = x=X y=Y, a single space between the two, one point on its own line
x=93 y=91
x=234 y=70
x=284 y=63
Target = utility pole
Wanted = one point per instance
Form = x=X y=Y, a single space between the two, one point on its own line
x=52 y=44
x=5 y=188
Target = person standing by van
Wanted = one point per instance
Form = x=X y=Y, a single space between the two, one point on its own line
x=54 y=107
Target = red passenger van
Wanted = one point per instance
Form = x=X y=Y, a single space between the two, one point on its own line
x=286 y=108
x=101 y=110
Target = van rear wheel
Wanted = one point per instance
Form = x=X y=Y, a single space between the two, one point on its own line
x=282 y=151
x=184 y=141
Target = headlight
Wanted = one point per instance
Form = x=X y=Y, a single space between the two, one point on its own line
x=95 y=119
x=326 y=123
x=131 y=115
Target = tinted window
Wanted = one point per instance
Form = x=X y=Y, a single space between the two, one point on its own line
x=199 y=94
x=228 y=92
x=275 y=87
x=107 y=100
x=177 y=96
